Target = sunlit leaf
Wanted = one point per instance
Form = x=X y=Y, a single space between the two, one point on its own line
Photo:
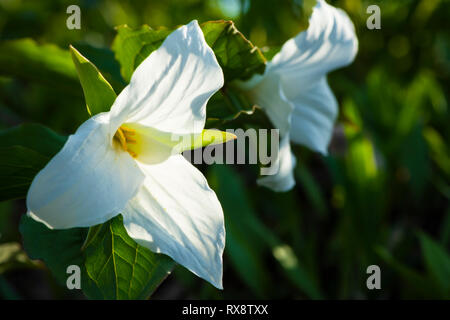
x=98 y=92
x=47 y=63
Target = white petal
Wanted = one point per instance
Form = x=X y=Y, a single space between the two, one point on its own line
x=88 y=182
x=266 y=92
x=176 y=213
x=313 y=117
x=284 y=179
x=329 y=43
x=170 y=88
x=303 y=62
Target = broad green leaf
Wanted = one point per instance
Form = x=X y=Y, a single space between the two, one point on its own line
x=118 y=268
x=24 y=151
x=247 y=236
x=437 y=261
x=33 y=136
x=98 y=92
x=237 y=56
x=57 y=248
x=113 y=265
x=132 y=46
x=47 y=63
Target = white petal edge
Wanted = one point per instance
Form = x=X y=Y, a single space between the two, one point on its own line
x=329 y=43
x=88 y=182
x=283 y=180
x=170 y=88
x=176 y=213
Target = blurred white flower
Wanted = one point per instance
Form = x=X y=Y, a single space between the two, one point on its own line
x=294 y=92
x=125 y=162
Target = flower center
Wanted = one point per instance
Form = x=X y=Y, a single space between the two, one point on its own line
x=124 y=136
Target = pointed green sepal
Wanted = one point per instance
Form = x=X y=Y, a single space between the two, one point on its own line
x=98 y=92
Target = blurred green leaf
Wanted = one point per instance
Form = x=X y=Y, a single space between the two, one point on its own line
x=439 y=149
x=437 y=261
x=445 y=229
x=312 y=189
x=33 y=136
x=118 y=268
x=98 y=92
x=47 y=63
x=242 y=247
x=246 y=233
x=24 y=151
x=417 y=284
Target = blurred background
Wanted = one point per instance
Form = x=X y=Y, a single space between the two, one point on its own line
x=381 y=197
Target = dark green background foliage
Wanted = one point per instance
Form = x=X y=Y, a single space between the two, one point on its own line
x=380 y=197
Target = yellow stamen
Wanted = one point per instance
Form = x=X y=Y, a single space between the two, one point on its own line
x=128 y=131
x=121 y=137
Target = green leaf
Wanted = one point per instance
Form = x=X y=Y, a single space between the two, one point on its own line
x=132 y=46
x=57 y=248
x=237 y=56
x=98 y=92
x=47 y=63
x=104 y=60
x=118 y=268
x=437 y=261
x=113 y=265
x=24 y=151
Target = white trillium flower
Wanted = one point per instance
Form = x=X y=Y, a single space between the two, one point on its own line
x=294 y=92
x=124 y=162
